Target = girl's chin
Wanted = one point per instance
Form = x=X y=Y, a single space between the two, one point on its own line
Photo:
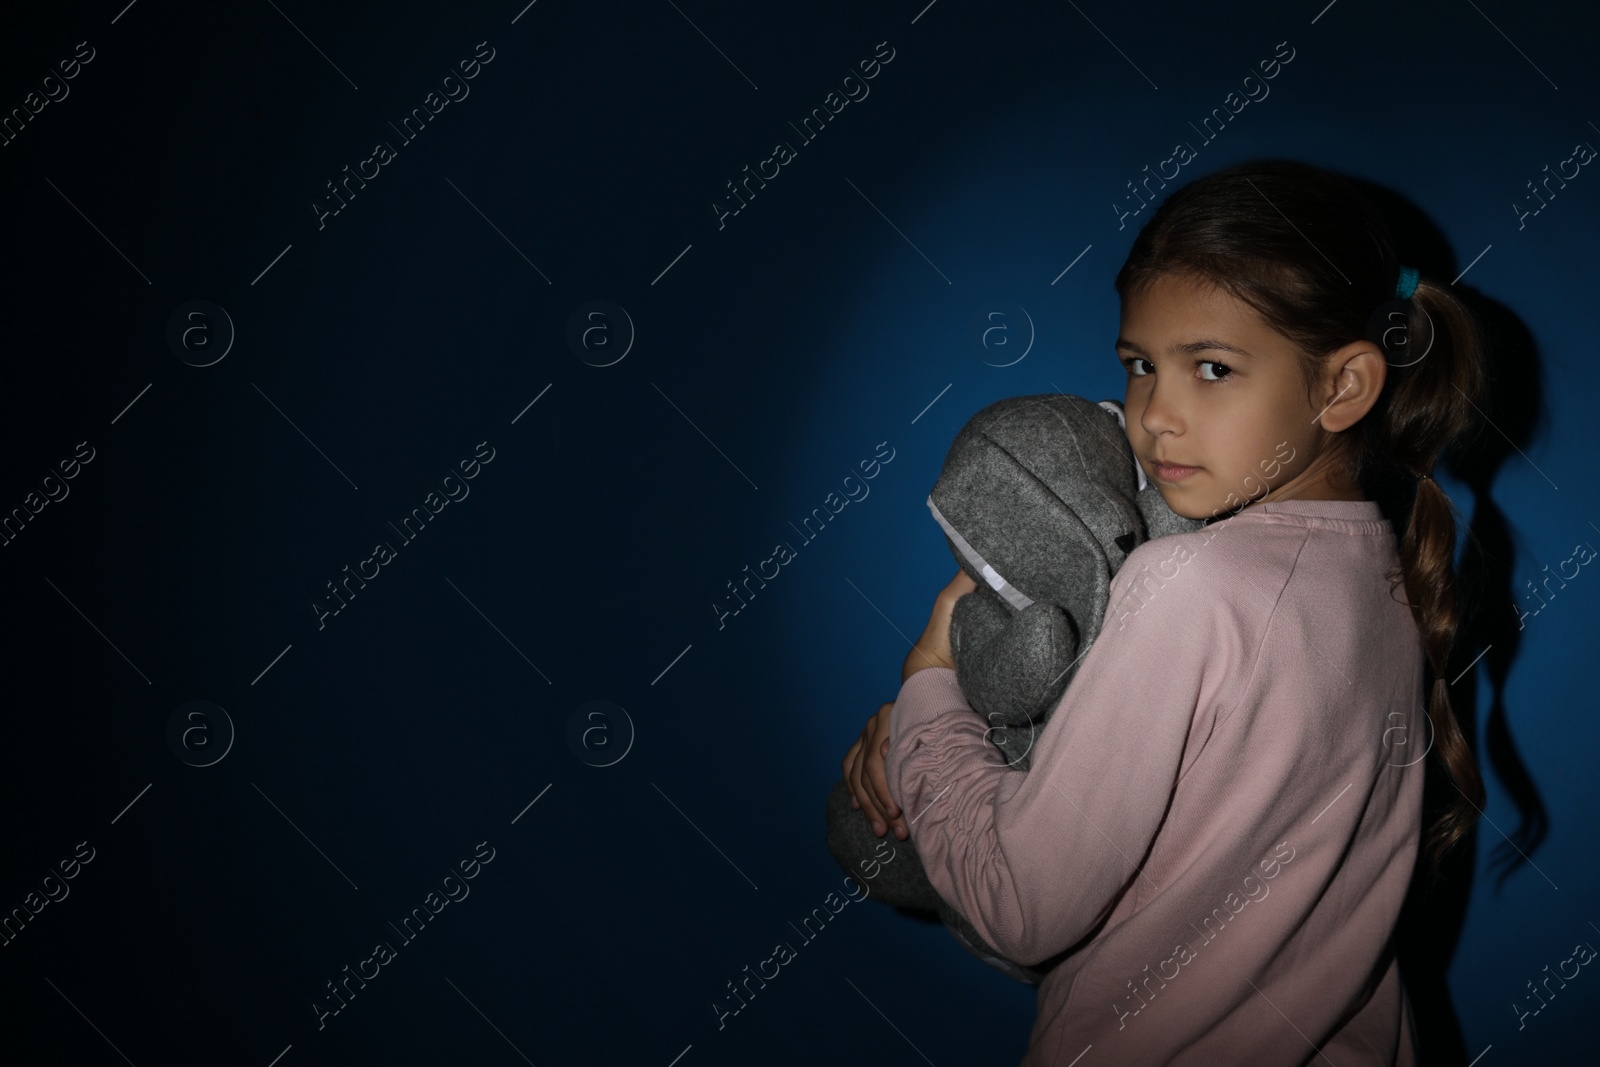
x=1190 y=509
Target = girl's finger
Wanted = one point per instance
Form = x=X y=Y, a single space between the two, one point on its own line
x=850 y=762
x=876 y=770
x=861 y=791
x=878 y=773
x=878 y=778
x=850 y=758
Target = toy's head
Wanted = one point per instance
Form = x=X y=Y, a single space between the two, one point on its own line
x=1041 y=500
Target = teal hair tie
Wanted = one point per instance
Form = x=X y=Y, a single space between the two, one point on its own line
x=1407 y=283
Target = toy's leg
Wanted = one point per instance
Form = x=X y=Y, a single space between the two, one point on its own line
x=901 y=882
x=898 y=881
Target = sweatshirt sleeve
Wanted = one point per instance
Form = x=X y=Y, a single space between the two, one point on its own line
x=1034 y=859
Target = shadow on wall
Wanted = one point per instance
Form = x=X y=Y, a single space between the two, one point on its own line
x=1432 y=918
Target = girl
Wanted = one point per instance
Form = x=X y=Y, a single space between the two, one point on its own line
x=1223 y=814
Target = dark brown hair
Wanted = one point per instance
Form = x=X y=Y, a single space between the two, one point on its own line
x=1309 y=252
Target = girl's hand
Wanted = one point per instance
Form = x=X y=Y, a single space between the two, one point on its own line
x=933 y=647
x=869 y=783
x=863 y=764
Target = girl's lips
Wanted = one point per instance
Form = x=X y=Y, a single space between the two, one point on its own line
x=1169 y=473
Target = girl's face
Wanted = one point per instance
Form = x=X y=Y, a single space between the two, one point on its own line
x=1216 y=409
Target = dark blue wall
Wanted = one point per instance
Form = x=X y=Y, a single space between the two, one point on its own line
x=839 y=317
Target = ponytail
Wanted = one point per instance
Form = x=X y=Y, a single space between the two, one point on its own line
x=1430 y=403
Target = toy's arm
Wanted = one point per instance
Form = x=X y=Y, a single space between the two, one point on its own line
x=1013 y=668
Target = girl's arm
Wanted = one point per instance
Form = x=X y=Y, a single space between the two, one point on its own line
x=1035 y=859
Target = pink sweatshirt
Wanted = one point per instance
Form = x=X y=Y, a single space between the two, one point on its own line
x=1222 y=814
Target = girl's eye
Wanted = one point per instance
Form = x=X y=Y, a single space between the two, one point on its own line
x=1130 y=361
x=1224 y=368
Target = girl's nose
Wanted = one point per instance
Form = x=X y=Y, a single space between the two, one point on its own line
x=1159 y=415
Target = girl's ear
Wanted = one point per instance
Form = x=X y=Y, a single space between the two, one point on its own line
x=1352 y=379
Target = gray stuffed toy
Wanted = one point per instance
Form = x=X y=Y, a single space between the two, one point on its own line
x=1041 y=500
